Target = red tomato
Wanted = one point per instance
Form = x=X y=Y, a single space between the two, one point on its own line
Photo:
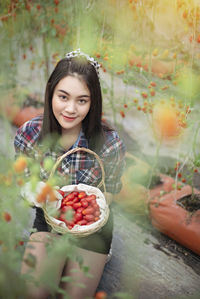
x=70 y=196
x=96 y=207
x=84 y=203
x=89 y=217
x=69 y=203
x=78 y=217
x=21 y=243
x=76 y=199
x=101 y=295
x=97 y=213
x=90 y=197
x=76 y=205
x=93 y=202
x=80 y=210
x=75 y=193
x=67 y=198
x=62 y=205
x=87 y=211
x=7 y=217
x=82 y=195
x=82 y=222
x=90 y=222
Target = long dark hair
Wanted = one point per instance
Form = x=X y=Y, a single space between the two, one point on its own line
x=92 y=125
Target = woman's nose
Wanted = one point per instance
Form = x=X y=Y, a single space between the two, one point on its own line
x=71 y=106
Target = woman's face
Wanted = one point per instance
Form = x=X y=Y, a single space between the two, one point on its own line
x=71 y=103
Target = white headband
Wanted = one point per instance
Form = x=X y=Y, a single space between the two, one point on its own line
x=91 y=60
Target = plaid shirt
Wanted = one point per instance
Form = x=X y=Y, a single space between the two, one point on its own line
x=82 y=167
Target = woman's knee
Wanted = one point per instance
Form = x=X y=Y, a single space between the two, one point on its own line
x=40 y=237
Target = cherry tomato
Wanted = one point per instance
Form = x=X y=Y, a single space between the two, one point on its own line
x=66 y=198
x=69 y=203
x=76 y=199
x=101 y=295
x=78 y=217
x=84 y=203
x=70 y=196
x=97 y=213
x=90 y=222
x=80 y=210
x=89 y=217
x=82 y=222
x=76 y=205
x=82 y=195
x=90 y=197
x=96 y=207
x=75 y=193
x=93 y=202
x=62 y=205
x=87 y=211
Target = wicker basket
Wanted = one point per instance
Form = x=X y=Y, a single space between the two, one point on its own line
x=84 y=230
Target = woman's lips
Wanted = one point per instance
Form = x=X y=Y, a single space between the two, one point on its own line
x=68 y=118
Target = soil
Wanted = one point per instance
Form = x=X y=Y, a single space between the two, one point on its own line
x=190 y=202
x=32 y=100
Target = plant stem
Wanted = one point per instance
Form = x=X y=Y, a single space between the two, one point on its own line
x=45 y=51
x=155 y=164
x=112 y=99
x=194 y=144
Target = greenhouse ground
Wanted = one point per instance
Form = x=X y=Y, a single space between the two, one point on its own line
x=145 y=264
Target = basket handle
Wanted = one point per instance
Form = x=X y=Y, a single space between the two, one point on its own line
x=102 y=183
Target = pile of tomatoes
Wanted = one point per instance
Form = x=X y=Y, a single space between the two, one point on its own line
x=83 y=208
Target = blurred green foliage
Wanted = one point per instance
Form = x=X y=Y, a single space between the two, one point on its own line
x=138 y=46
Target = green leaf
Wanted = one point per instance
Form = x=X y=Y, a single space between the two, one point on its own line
x=53 y=32
x=105 y=90
x=30 y=260
x=79 y=259
x=69 y=215
x=122 y=295
x=44 y=29
x=85 y=269
x=81 y=285
x=74 y=270
x=66 y=279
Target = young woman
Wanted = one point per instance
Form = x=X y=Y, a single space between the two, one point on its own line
x=72 y=116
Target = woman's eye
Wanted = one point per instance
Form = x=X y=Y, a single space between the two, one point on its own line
x=82 y=101
x=62 y=97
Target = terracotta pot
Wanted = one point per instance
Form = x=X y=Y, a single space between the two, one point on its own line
x=10 y=111
x=26 y=114
x=165 y=187
x=174 y=221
